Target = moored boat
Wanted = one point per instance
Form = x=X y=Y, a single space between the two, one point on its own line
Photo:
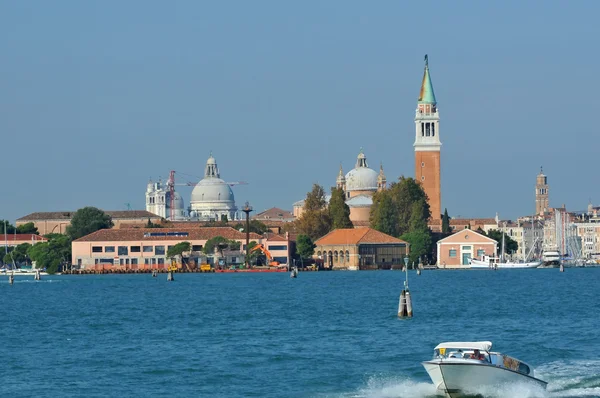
x=496 y=263
x=459 y=368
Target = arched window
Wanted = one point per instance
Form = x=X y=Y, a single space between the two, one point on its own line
x=422 y=129
x=319 y=253
x=433 y=129
x=335 y=256
x=347 y=255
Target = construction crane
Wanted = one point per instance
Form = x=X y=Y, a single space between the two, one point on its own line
x=171 y=188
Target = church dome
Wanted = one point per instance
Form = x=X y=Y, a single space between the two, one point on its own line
x=212 y=198
x=177 y=202
x=361 y=178
x=212 y=189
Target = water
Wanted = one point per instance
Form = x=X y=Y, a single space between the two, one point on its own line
x=326 y=334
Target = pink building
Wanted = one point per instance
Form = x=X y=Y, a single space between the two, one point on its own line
x=139 y=248
x=455 y=251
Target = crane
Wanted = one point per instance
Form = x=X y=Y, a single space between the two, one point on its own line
x=267 y=253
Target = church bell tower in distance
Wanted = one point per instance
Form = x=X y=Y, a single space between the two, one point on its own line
x=427 y=144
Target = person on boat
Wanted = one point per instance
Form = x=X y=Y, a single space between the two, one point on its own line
x=477 y=355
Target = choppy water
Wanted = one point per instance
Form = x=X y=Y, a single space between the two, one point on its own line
x=327 y=334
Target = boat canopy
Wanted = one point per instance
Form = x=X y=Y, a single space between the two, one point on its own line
x=469 y=345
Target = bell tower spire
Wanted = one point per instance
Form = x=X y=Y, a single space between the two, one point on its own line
x=427 y=144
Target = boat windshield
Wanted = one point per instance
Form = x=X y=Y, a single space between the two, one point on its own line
x=443 y=353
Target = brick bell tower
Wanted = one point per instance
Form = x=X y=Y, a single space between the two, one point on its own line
x=427 y=144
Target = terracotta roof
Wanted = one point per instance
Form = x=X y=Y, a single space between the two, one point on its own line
x=22 y=237
x=273 y=236
x=355 y=236
x=107 y=235
x=273 y=213
x=67 y=215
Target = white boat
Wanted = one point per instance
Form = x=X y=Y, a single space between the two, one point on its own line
x=459 y=368
x=489 y=262
x=551 y=258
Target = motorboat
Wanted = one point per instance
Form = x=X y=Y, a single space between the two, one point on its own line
x=551 y=259
x=460 y=368
x=497 y=263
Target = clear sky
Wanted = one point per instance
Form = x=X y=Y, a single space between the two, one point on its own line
x=98 y=96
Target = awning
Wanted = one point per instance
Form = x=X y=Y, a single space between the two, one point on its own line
x=469 y=345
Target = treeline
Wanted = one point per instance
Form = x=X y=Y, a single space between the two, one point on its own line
x=54 y=254
x=401 y=211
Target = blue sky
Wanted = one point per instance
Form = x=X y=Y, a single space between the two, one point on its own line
x=97 y=96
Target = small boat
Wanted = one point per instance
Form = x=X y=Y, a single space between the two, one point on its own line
x=497 y=263
x=459 y=368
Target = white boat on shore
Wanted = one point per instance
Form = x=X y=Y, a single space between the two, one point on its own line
x=487 y=262
x=21 y=272
x=459 y=368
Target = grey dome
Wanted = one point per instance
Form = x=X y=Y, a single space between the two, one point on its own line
x=177 y=202
x=212 y=189
x=361 y=179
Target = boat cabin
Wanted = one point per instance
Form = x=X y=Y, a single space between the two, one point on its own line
x=479 y=351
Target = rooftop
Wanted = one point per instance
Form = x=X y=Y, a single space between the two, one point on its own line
x=355 y=236
x=152 y=234
x=274 y=213
x=22 y=237
x=67 y=215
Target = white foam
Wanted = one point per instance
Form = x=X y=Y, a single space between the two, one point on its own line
x=393 y=387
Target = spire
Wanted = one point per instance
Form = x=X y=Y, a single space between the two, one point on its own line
x=426 y=95
x=341 y=179
x=381 y=180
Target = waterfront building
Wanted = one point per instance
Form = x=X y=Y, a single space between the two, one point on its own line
x=139 y=248
x=273 y=214
x=359 y=186
x=428 y=145
x=58 y=221
x=541 y=194
x=456 y=250
x=212 y=198
x=159 y=201
x=13 y=240
x=360 y=248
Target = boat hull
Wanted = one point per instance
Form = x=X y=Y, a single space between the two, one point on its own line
x=478 y=264
x=459 y=378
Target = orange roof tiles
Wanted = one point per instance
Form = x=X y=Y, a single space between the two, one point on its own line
x=355 y=236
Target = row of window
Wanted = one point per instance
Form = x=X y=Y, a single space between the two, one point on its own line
x=125 y=250
x=277 y=247
x=452 y=252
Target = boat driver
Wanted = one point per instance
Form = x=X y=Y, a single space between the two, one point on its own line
x=477 y=355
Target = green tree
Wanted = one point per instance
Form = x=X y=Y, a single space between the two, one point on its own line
x=88 y=220
x=384 y=213
x=220 y=244
x=53 y=254
x=10 y=229
x=404 y=193
x=392 y=211
x=150 y=224
x=178 y=250
x=419 y=235
x=28 y=228
x=314 y=221
x=255 y=226
x=446 y=222
x=305 y=247
x=510 y=245
x=420 y=245
x=339 y=212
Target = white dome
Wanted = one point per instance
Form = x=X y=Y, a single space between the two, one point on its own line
x=361 y=179
x=212 y=189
